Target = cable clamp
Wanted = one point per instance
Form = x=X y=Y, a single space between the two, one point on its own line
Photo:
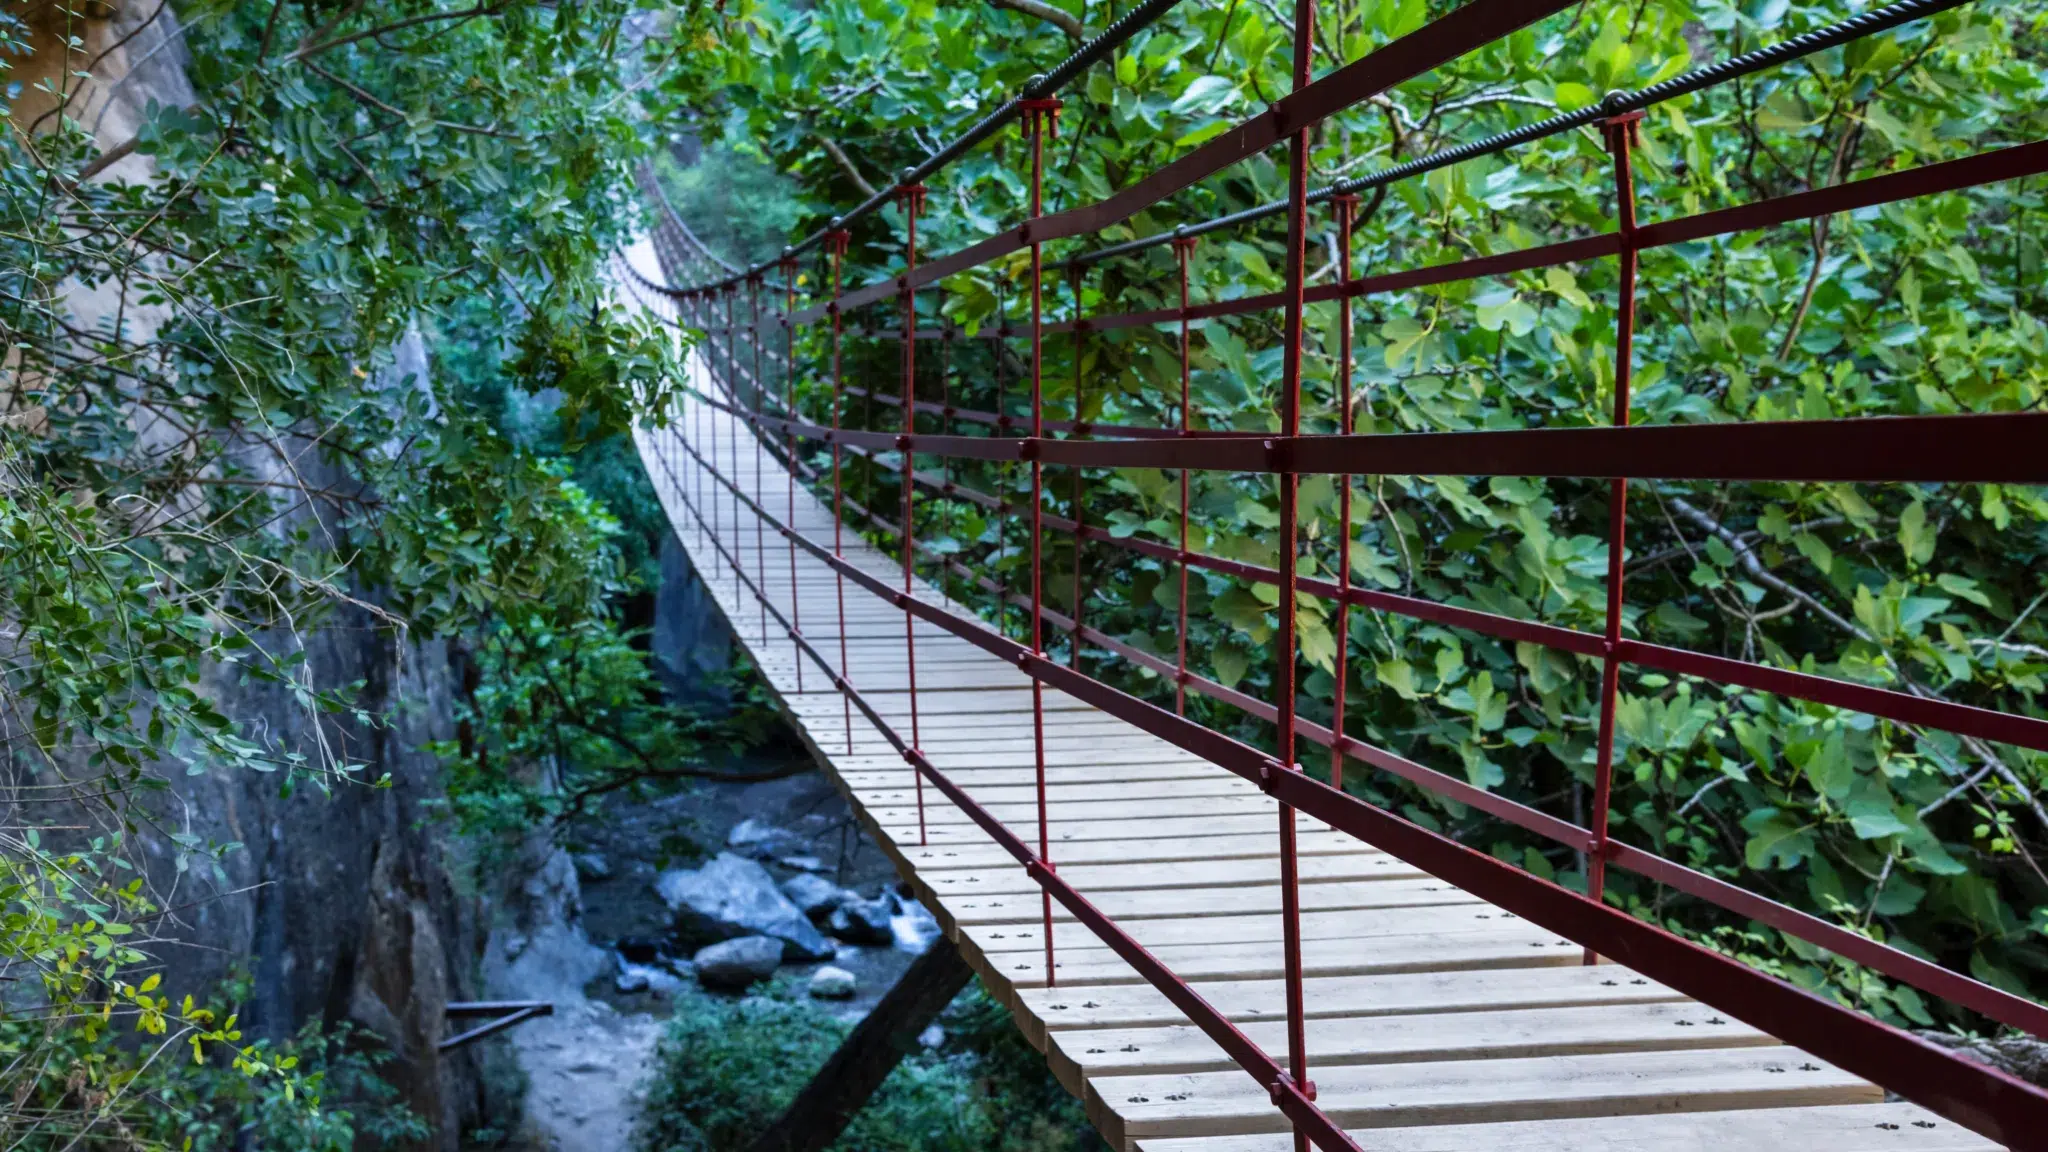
x=903 y=442
x=1027 y=448
x=1036 y=107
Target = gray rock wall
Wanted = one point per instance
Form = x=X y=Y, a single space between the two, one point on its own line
x=693 y=646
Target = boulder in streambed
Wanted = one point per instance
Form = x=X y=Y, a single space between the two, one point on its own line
x=865 y=921
x=732 y=896
x=763 y=840
x=815 y=896
x=735 y=964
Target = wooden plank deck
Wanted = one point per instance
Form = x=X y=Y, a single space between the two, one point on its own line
x=1436 y=1022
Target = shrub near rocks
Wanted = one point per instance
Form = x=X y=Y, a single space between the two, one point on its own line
x=726 y=1066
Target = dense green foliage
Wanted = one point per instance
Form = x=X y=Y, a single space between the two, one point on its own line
x=725 y=1066
x=209 y=457
x=1930 y=842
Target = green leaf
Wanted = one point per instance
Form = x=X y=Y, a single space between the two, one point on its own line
x=1776 y=840
x=1670 y=615
x=1560 y=280
x=1916 y=540
x=1572 y=96
x=1229 y=663
x=1397 y=674
x=1207 y=94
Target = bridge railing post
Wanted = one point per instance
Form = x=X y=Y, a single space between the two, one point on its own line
x=1079 y=508
x=758 y=389
x=1183 y=251
x=1622 y=132
x=1284 y=680
x=789 y=412
x=911 y=196
x=1040 y=119
x=835 y=244
x=1347 y=208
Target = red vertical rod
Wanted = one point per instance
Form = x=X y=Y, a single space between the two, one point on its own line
x=754 y=433
x=690 y=410
x=1283 y=681
x=719 y=421
x=945 y=429
x=1347 y=206
x=1622 y=132
x=1002 y=345
x=835 y=242
x=1041 y=118
x=1080 y=511
x=1183 y=249
x=912 y=196
x=796 y=617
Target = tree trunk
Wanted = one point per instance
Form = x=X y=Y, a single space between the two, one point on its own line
x=870 y=1052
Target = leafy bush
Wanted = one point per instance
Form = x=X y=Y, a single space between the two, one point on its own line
x=728 y=1067
x=328 y=1097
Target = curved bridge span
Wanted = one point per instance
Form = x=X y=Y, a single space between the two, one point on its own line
x=1433 y=1019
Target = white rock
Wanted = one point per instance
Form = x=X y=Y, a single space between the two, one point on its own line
x=830 y=983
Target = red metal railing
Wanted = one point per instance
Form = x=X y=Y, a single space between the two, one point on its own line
x=2001 y=448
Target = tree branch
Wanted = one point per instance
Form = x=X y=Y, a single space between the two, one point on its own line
x=845 y=163
x=379 y=30
x=1046 y=12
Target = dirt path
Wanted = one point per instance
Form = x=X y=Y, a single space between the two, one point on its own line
x=587 y=1067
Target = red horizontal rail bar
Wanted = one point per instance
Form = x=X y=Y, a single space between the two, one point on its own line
x=1986 y=1100
x=1982 y=448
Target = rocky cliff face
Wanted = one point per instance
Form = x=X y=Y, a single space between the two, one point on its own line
x=338 y=905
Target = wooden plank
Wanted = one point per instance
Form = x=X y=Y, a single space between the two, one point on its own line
x=1843 y=1128
x=1075 y=1055
x=1214 y=807
x=985 y=854
x=1261 y=960
x=1076 y=831
x=1132 y=876
x=1469 y=918
x=895 y=791
x=1140 y=1005
x=1213 y=902
x=1126 y=1108
x=892 y=771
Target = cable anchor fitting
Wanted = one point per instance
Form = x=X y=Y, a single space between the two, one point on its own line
x=1035 y=109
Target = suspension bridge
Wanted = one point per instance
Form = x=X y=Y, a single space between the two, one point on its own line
x=1215 y=950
